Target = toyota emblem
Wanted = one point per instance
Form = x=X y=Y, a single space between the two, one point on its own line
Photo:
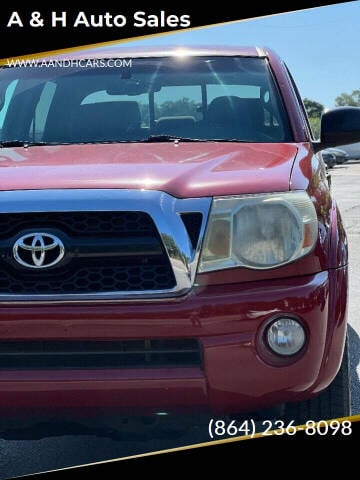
x=38 y=250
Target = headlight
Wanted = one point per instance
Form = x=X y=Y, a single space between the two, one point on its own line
x=259 y=231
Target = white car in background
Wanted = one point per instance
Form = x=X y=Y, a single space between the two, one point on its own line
x=341 y=155
x=353 y=151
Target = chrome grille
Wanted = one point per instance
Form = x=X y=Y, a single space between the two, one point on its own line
x=119 y=244
x=105 y=252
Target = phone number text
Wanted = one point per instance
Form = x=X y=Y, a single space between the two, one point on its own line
x=265 y=428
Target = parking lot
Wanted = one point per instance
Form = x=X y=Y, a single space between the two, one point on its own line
x=346 y=188
x=66 y=448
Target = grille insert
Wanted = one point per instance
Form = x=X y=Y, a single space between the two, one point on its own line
x=104 y=252
x=86 y=354
x=83 y=277
x=78 y=223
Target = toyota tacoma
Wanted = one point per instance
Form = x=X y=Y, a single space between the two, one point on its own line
x=168 y=238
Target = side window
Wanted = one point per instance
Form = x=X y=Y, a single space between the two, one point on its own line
x=300 y=102
x=142 y=100
x=255 y=101
x=41 y=112
x=242 y=91
x=178 y=101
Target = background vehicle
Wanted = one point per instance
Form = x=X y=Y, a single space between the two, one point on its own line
x=341 y=156
x=353 y=150
x=329 y=158
x=169 y=241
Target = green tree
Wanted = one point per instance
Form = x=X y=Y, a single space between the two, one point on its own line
x=315 y=126
x=313 y=109
x=348 y=99
x=183 y=106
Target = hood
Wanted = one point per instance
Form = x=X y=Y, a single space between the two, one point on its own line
x=180 y=169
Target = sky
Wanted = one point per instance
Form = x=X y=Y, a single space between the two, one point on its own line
x=320 y=46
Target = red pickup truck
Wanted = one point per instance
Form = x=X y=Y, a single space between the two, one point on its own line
x=168 y=238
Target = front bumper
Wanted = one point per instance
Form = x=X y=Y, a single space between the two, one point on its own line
x=227 y=320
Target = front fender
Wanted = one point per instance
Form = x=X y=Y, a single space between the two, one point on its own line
x=338 y=247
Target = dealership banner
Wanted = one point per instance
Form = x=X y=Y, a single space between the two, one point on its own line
x=30 y=28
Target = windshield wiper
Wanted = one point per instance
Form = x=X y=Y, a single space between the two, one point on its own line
x=174 y=138
x=20 y=143
x=169 y=138
x=150 y=139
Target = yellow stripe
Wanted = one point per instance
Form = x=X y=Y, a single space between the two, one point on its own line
x=49 y=53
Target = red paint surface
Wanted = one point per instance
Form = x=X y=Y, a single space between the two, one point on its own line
x=183 y=170
x=226 y=319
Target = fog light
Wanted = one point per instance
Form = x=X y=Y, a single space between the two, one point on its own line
x=286 y=336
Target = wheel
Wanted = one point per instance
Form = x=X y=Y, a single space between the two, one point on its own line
x=333 y=402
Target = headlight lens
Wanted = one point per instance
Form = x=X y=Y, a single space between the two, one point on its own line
x=259 y=231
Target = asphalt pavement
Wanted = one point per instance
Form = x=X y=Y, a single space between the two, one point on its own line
x=58 y=446
x=346 y=189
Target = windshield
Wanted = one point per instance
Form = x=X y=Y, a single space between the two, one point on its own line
x=148 y=99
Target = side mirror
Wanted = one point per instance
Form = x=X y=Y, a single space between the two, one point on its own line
x=339 y=126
